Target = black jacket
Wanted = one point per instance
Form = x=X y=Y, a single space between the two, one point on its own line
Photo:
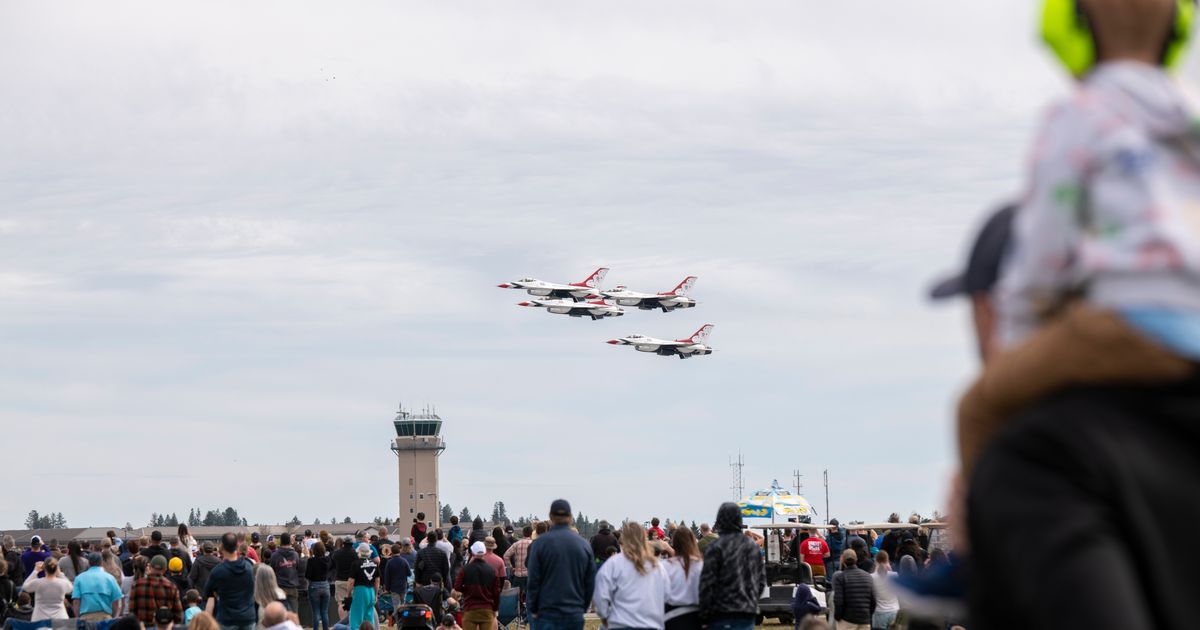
x=562 y=573
x=478 y=533
x=344 y=561
x=1081 y=461
x=853 y=596
x=602 y=541
x=201 y=567
x=286 y=562
x=431 y=561
x=734 y=573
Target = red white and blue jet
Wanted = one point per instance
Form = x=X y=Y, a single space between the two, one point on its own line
x=682 y=348
x=667 y=300
x=578 y=291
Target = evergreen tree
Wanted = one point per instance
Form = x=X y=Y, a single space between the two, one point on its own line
x=465 y=516
x=294 y=522
x=447 y=512
x=499 y=514
x=316 y=521
x=347 y=520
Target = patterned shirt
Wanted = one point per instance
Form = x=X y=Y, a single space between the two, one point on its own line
x=516 y=556
x=151 y=593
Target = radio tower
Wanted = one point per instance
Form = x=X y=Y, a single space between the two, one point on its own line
x=739 y=485
x=799 y=484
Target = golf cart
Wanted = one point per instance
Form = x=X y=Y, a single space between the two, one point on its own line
x=784 y=573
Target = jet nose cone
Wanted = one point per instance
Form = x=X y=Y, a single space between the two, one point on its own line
x=613 y=341
x=504 y=286
x=523 y=304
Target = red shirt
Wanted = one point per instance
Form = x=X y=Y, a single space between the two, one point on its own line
x=813 y=550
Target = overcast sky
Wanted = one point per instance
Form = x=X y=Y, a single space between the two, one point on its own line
x=233 y=237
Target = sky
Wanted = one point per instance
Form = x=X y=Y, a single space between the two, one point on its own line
x=234 y=237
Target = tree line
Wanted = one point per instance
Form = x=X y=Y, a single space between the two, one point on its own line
x=53 y=520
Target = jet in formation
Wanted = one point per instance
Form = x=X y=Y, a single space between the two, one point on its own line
x=577 y=291
x=667 y=300
x=682 y=348
x=595 y=310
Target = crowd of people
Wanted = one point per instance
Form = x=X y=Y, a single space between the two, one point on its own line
x=634 y=576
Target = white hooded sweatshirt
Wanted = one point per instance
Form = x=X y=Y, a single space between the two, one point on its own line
x=1113 y=207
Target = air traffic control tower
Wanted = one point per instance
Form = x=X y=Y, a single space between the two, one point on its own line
x=417 y=447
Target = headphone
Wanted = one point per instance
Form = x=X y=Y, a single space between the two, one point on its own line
x=1066 y=30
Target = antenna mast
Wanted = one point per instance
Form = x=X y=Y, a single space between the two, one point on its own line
x=739 y=484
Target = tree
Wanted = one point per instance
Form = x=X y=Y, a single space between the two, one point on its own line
x=58 y=521
x=465 y=515
x=447 y=512
x=193 y=517
x=33 y=520
x=316 y=521
x=347 y=521
x=499 y=515
x=294 y=522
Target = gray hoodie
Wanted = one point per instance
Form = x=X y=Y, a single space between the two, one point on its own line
x=1113 y=207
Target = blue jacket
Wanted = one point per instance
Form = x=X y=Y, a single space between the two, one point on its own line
x=804 y=603
x=396 y=573
x=562 y=573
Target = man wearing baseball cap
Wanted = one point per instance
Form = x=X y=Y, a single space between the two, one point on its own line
x=1077 y=460
x=562 y=574
x=35 y=554
x=153 y=592
x=480 y=586
x=96 y=594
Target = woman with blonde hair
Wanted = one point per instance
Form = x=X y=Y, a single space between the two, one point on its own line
x=683 y=581
x=266 y=589
x=48 y=592
x=631 y=586
x=203 y=621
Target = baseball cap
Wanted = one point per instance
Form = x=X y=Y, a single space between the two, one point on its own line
x=207 y=546
x=254 y=536
x=159 y=562
x=478 y=548
x=175 y=565
x=560 y=507
x=36 y=540
x=983 y=263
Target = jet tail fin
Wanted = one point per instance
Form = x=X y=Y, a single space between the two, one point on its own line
x=685 y=287
x=700 y=336
x=595 y=279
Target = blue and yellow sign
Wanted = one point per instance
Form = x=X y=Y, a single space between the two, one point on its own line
x=756 y=511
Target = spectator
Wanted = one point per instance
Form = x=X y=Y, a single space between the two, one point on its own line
x=561 y=574
x=164 y=619
x=96 y=594
x=285 y=562
x=502 y=542
x=317 y=573
x=804 y=605
x=232 y=584
x=655 y=532
x=733 y=576
x=201 y=621
x=110 y=564
x=73 y=563
x=631 y=587
x=156 y=548
x=602 y=540
x=418 y=531
x=8 y=588
x=203 y=565
x=180 y=550
x=407 y=551
x=16 y=570
x=456 y=532
x=395 y=576
x=441 y=543
x=177 y=577
x=480 y=585
x=515 y=559
x=489 y=545
x=276 y=616
x=344 y=561
x=383 y=541
x=154 y=591
x=853 y=595
x=431 y=561
x=187 y=542
x=478 y=533
x=35 y=554
x=812 y=551
x=835 y=539
x=887 y=606
x=707 y=536
x=862 y=554
x=132 y=550
x=48 y=592
x=448 y=622
x=683 y=570
x=433 y=594
x=23 y=609
x=191 y=606
x=364 y=583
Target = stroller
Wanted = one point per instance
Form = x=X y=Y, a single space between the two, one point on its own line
x=385 y=607
x=415 y=616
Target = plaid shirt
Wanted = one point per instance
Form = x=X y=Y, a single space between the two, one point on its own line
x=151 y=593
x=516 y=555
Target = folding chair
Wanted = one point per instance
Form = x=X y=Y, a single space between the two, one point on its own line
x=510 y=605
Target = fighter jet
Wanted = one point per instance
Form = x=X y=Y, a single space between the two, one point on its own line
x=667 y=301
x=595 y=310
x=577 y=291
x=682 y=348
